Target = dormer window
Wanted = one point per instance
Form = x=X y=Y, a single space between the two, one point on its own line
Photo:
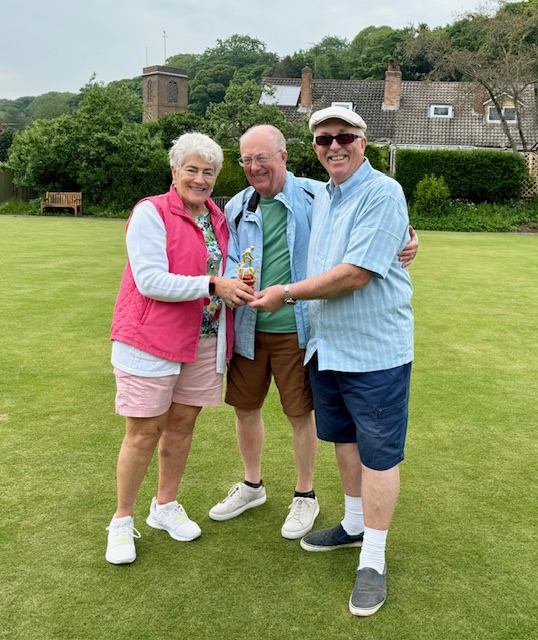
x=509 y=114
x=441 y=111
x=345 y=105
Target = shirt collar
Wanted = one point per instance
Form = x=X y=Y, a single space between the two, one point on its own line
x=352 y=183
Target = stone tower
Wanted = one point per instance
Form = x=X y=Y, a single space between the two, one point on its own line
x=164 y=91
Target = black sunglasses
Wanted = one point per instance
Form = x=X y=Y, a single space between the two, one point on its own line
x=341 y=138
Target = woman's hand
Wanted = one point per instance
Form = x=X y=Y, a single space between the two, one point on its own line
x=409 y=252
x=234 y=292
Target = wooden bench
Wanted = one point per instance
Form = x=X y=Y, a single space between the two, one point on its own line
x=62 y=200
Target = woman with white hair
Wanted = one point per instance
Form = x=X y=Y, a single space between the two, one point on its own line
x=172 y=336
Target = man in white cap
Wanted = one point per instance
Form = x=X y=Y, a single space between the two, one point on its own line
x=273 y=216
x=361 y=343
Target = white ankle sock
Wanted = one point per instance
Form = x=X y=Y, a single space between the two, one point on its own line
x=123 y=519
x=373 y=549
x=353 y=522
x=161 y=507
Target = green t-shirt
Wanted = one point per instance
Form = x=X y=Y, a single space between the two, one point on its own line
x=275 y=266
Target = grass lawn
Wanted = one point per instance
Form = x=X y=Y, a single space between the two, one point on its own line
x=462 y=553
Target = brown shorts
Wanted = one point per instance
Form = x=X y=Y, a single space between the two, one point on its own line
x=277 y=354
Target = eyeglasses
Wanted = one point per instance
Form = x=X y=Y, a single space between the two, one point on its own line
x=341 y=138
x=259 y=160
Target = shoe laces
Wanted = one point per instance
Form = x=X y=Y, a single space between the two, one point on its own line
x=235 y=493
x=124 y=529
x=298 y=507
x=171 y=515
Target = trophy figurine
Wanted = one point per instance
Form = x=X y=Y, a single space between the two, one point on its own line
x=245 y=269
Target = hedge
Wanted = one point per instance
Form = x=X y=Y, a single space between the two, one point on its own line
x=231 y=179
x=475 y=176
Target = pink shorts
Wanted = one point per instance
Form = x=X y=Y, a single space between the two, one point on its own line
x=197 y=385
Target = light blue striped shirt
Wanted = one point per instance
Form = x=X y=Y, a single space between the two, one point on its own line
x=363 y=222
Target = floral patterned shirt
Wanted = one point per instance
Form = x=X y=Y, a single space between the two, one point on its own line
x=214 y=257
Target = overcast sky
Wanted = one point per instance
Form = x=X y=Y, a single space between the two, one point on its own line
x=56 y=45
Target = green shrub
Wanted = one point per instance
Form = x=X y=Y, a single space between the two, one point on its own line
x=432 y=196
x=378 y=156
x=20 y=208
x=467 y=216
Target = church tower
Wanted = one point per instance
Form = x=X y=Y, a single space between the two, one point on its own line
x=164 y=91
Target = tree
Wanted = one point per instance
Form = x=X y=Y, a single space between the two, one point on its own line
x=370 y=50
x=6 y=140
x=187 y=61
x=208 y=86
x=133 y=84
x=328 y=58
x=13 y=119
x=109 y=107
x=45 y=157
x=499 y=52
x=100 y=150
x=173 y=125
x=238 y=57
x=50 y=105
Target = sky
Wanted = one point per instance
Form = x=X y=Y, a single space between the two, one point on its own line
x=56 y=45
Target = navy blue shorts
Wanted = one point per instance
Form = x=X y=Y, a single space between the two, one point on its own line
x=370 y=409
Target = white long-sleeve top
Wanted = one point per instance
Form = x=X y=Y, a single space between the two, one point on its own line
x=146 y=249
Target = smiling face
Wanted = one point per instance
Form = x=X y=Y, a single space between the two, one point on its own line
x=194 y=182
x=267 y=178
x=340 y=161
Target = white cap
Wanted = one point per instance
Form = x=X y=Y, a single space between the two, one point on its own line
x=336 y=113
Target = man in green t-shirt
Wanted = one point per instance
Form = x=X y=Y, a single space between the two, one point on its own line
x=273 y=216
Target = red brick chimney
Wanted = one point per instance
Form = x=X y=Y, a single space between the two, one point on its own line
x=306 y=89
x=393 y=87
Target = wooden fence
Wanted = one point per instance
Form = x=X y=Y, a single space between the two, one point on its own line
x=8 y=191
x=531 y=186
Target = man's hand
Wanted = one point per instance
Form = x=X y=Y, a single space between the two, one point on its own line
x=270 y=299
x=408 y=253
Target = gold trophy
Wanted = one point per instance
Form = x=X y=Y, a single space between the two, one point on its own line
x=245 y=269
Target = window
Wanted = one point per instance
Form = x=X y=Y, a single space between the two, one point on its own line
x=508 y=112
x=150 y=91
x=173 y=92
x=441 y=111
x=345 y=105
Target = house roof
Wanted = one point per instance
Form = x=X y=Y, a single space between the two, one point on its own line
x=411 y=123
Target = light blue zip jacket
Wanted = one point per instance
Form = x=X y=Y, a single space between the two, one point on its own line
x=244 y=220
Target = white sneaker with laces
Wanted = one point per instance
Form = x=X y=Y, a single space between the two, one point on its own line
x=174 y=519
x=240 y=498
x=303 y=512
x=121 y=548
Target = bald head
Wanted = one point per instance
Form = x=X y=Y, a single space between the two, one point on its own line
x=272 y=135
x=263 y=150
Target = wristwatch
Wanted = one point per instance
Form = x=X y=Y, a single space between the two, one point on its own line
x=287 y=295
x=211 y=286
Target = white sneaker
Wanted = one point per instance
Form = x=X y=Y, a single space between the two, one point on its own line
x=121 y=548
x=303 y=512
x=174 y=519
x=240 y=498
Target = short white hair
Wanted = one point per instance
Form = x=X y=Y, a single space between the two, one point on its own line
x=196 y=144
